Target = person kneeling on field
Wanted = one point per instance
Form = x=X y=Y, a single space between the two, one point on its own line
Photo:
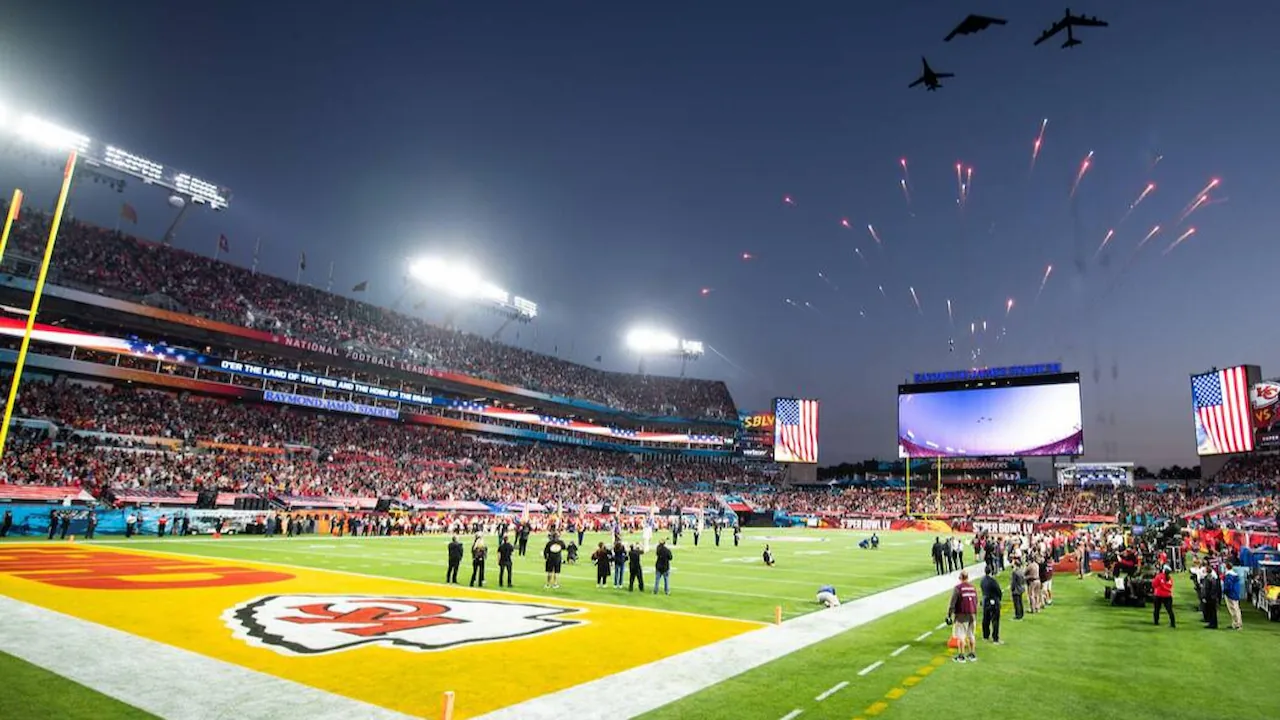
x=827 y=596
x=960 y=615
x=768 y=556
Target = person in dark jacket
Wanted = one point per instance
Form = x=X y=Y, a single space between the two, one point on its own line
x=6 y=523
x=1211 y=590
x=1017 y=588
x=619 y=563
x=937 y=557
x=992 y=596
x=737 y=534
x=662 y=568
x=65 y=527
x=53 y=523
x=92 y=527
x=601 y=560
x=505 y=550
x=1162 y=591
x=635 y=570
x=455 y=561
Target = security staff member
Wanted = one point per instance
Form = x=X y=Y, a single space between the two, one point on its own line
x=505 y=549
x=717 y=528
x=455 y=561
x=992 y=595
x=635 y=571
x=737 y=534
x=522 y=537
x=937 y=556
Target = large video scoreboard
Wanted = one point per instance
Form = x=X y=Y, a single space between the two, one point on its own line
x=755 y=440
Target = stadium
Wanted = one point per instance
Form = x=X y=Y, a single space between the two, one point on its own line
x=232 y=493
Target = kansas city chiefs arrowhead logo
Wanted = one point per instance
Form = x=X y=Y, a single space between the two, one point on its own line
x=319 y=624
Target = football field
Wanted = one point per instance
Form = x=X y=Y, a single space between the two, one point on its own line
x=356 y=627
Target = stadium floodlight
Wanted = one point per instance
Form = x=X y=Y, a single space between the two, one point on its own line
x=648 y=342
x=53 y=137
x=464 y=283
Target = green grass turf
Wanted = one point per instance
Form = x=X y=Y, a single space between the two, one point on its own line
x=28 y=691
x=723 y=581
x=1080 y=659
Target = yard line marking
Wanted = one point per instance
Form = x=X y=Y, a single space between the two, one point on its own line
x=899 y=651
x=940 y=626
x=832 y=691
x=792 y=715
x=679 y=676
x=922 y=637
x=870 y=667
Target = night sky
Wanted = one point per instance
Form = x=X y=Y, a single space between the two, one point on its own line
x=611 y=162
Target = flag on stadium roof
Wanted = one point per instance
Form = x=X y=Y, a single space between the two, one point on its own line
x=1221 y=400
x=361 y=286
x=797 y=425
x=128 y=213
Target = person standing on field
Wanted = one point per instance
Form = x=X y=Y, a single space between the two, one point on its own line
x=1233 y=590
x=1017 y=588
x=992 y=596
x=961 y=612
x=1162 y=589
x=455 y=561
x=662 y=568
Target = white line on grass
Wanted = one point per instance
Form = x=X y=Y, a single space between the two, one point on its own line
x=899 y=651
x=833 y=690
x=940 y=626
x=679 y=676
x=178 y=683
x=923 y=636
x=792 y=715
x=870 y=668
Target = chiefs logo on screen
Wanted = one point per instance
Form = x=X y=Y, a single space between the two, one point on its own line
x=1264 y=397
x=319 y=624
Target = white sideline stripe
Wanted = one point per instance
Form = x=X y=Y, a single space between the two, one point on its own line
x=870 y=668
x=834 y=689
x=672 y=678
x=899 y=651
x=924 y=636
x=940 y=626
x=163 y=680
x=792 y=715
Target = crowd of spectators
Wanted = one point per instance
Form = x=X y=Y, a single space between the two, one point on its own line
x=124 y=438
x=1259 y=470
x=103 y=261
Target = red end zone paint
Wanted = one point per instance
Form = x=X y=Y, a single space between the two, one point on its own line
x=107 y=570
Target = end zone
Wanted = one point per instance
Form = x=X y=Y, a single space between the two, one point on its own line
x=391 y=643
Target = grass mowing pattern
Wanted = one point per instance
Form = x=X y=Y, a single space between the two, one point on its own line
x=723 y=581
x=1080 y=659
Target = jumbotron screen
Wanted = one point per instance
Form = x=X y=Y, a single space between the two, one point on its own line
x=795 y=430
x=1036 y=415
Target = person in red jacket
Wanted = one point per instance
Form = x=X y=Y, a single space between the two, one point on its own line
x=962 y=611
x=1162 y=588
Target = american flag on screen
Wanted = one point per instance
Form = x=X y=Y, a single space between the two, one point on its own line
x=1221 y=401
x=796 y=431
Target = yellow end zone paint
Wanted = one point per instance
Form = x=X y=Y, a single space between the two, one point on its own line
x=393 y=643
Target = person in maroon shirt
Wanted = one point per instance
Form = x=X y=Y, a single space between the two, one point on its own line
x=962 y=612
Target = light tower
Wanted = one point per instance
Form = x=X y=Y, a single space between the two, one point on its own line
x=647 y=343
x=101 y=161
x=460 y=281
